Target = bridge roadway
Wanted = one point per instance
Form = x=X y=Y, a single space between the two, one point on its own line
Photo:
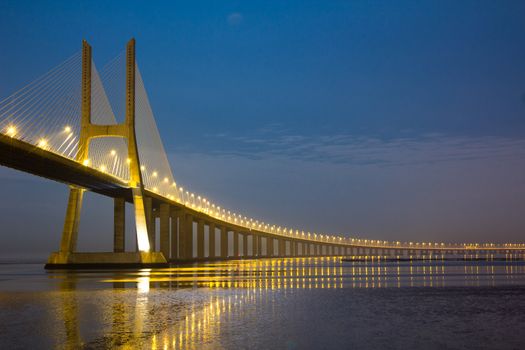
x=181 y=227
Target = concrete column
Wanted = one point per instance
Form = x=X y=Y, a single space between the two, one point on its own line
x=200 y=239
x=174 y=234
x=245 y=245
x=235 y=244
x=259 y=245
x=150 y=221
x=282 y=248
x=119 y=225
x=72 y=220
x=269 y=246
x=165 y=230
x=255 y=251
x=186 y=237
x=224 y=242
x=211 y=236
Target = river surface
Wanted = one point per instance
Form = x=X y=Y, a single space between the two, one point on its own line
x=310 y=303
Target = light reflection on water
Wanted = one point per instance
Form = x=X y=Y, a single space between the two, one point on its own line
x=222 y=305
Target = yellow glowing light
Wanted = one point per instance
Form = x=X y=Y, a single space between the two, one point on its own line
x=67 y=129
x=42 y=143
x=113 y=152
x=155 y=189
x=11 y=131
x=166 y=180
x=154 y=174
x=86 y=162
x=103 y=168
x=142 y=167
x=128 y=160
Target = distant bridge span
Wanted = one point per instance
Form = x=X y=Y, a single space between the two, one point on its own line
x=190 y=228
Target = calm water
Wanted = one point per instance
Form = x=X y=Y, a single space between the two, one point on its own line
x=317 y=303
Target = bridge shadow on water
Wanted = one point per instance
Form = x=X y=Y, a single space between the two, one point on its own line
x=269 y=303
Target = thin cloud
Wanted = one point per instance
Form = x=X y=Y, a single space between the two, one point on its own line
x=349 y=149
x=235 y=18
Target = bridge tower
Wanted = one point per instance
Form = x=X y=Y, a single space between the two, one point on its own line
x=67 y=254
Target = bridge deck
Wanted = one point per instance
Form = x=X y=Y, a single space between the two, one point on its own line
x=31 y=159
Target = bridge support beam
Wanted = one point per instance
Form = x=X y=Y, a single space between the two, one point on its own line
x=174 y=239
x=119 y=225
x=245 y=245
x=211 y=240
x=68 y=243
x=185 y=237
x=165 y=229
x=150 y=222
x=224 y=242
x=269 y=246
x=255 y=245
x=235 y=244
x=200 y=239
x=258 y=251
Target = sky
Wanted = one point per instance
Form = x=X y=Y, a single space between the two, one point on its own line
x=386 y=120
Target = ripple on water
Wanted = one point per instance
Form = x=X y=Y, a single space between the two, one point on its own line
x=278 y=304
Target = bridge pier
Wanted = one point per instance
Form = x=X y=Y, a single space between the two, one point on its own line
x=245 y=245
x=269 y=246
x=281 y=247
x=260 y=251
x=165 y=229
x=175 y=215
x=211 y=240
x=255 y=246
x=224 y=242
x=150 y=222
x=119 y=224
x=68 y=244
x=185 y=237
x=235 y=238
x=200 y=239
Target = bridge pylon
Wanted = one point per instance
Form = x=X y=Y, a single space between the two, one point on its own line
x=67 y=255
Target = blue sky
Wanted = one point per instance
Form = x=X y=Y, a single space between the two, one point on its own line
x=393 y=120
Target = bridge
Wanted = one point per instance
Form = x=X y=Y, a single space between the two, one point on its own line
x=63 y=126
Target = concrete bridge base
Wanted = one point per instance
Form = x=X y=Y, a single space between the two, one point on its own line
x=61 y=260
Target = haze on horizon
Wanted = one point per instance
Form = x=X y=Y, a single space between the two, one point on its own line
x=397 y=121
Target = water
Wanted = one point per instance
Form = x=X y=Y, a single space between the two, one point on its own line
x=317 y=303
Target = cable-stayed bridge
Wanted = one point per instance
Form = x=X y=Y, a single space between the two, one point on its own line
x=95 y=131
